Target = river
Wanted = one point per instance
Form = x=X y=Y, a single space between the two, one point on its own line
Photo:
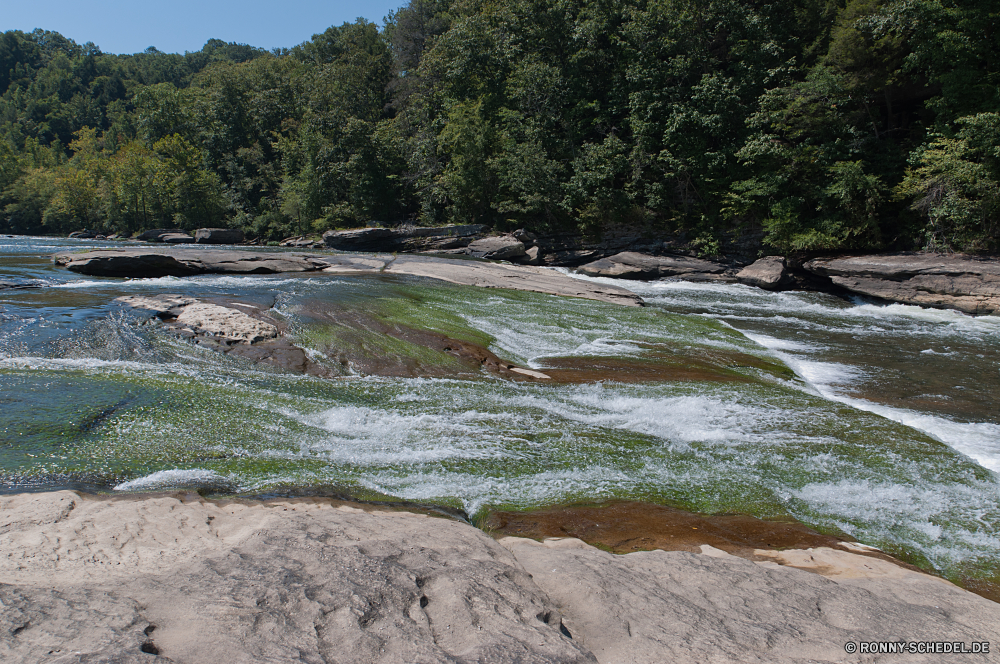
x=871 y=421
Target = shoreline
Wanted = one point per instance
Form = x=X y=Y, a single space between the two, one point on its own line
x=960 y=282
x=187 y=579
x=617 y=526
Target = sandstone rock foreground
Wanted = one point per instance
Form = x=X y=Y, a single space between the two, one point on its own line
x=181 y=579
x=151 y=262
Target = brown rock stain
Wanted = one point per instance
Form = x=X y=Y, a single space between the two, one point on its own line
x=628 y=526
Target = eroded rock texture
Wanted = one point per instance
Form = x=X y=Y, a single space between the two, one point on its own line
x=946 y=281
x=675 y=606
x=304 y=582
x=183 y=579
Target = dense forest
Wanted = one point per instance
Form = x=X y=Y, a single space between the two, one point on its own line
x=813 y=125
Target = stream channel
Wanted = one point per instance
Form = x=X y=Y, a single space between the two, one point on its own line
x=875 y=422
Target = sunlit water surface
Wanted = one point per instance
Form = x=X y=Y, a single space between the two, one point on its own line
x=878 y=422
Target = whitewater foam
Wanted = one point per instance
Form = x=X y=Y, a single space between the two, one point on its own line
x=175 y=478
x=979 y=441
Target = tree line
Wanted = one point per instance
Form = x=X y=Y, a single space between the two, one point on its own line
x=811 y=125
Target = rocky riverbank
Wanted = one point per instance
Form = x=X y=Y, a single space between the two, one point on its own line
x=177 y=578
x=147 y=262
x=970 y=284
x=942 y=281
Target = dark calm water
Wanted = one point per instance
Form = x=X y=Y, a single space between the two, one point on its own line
x=879 y=422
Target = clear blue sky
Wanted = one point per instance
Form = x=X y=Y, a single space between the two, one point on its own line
x=130 y=26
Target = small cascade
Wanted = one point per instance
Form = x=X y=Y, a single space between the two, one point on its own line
x=877 y=422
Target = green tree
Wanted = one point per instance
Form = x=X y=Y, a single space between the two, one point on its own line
x=954 y=185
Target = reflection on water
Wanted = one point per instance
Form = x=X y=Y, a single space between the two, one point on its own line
x=876 y=422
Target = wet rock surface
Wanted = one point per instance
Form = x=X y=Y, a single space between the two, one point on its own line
x=358 y=346
x=659 y=363
x=236 y=329
x=947 y=281
x=628 y=526
x=179 y=578
x=634 y=265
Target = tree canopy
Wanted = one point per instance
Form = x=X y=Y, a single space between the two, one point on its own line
x=811 y=125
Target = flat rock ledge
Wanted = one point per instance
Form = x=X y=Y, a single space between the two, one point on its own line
x=152 y=262
x=176 y=578
x=944 y=281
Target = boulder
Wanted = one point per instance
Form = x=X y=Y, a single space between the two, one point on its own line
x=532 y=256
x=154 y=235
x=632 y=265
x=501 y=248
x=570 y=257
x=944 y=281
x=768 y=273
x=83 y=235
x=125 y=263
x=177 y=238
x=203 y=318
x=526 y=237
x=218 y=236
x=438 y=239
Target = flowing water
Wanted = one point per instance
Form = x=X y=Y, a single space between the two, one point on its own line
x=876 y=422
